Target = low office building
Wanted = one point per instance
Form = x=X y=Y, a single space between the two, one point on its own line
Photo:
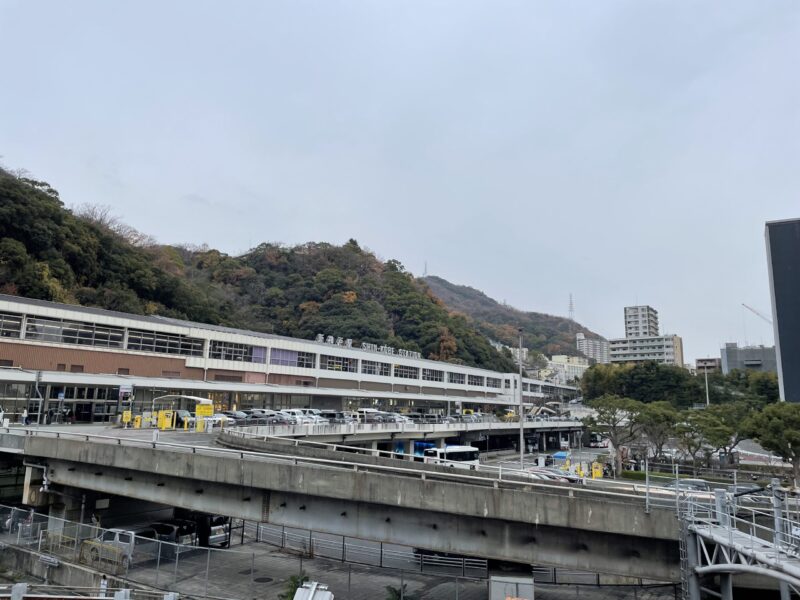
x=97 y=362
x=707 y=365
x=663 y=349
x=565 y=369
x=748 y=358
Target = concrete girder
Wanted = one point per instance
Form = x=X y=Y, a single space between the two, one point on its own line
x=439 y=531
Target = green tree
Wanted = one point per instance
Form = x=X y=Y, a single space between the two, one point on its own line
x=721 y=426
x=777 y=429
x=690 y=434
x=617 y=418
x=658 y=421
x=292 y=585
x=396 y=593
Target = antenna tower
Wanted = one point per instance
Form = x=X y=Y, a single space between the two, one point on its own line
x=571 y=314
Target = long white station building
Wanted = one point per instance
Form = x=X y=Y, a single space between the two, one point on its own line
x=96 y=362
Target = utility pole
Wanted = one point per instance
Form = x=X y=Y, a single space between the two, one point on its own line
x=705 y=371
x=521 y=409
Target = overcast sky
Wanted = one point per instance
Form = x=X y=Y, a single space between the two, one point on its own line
x=626 y=152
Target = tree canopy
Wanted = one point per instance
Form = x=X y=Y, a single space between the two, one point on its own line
x=777 y=429
x=653 y=382
x=618 y=419
x=90 y=258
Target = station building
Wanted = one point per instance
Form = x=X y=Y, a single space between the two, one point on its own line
x=94 y=363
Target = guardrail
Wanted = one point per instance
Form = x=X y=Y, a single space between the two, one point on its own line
x=310 y=429
x=356 y=551
x=632 y=493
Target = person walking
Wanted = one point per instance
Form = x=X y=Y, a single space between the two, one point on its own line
x=103 y=587
x=24 y=416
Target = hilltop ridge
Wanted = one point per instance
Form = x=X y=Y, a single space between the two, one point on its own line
x=87 y=257
x=542 y=333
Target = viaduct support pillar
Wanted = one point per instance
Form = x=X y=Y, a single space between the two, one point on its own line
x=693 y=561
x=726 y=586
x=408 y=449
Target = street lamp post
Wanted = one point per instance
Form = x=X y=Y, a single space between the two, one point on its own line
x=521 y=409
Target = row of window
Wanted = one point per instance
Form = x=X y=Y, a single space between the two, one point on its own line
x=10 y=325
x=90 y=334
x=73 y=332
x=164 y=343
x=238 y=352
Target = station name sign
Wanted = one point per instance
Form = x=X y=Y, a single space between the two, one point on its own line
x=348 y=343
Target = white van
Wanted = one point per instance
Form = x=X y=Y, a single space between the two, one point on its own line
x=301 y=417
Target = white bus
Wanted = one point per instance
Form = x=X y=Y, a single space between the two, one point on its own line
x=461 y=457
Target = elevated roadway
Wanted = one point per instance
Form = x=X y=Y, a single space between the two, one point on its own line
x=426 y=506
x=368 y=432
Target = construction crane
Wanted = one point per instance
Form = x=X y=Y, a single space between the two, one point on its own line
x=757 y=313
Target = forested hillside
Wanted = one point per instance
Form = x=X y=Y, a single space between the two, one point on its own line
x=51 y=253
x=542 y=333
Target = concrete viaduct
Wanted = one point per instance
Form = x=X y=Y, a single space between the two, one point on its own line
x=424 y=506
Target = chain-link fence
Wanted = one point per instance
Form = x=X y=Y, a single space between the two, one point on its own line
x=265 y=560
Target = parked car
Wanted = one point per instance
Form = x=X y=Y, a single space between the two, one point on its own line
x=317 y=420
x=220 y=529
x=118 y=545
x=369 y=415
x=696 y=485
x=184 y=417
x=336 y=417
x=236 y=415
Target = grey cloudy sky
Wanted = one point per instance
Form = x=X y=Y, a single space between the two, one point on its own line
x=623 y=151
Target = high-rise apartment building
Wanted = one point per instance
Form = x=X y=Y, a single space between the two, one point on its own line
x=783 y=257
x=594 y=349
x=642 y=341
x=641 y=321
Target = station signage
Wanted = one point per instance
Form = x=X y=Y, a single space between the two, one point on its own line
x=383 y=349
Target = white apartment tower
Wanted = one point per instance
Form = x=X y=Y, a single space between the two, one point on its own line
x=641 y=321
x=642 y=341
x=594 y=349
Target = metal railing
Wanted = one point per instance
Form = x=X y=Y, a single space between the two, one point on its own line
x=769 y=538
x=624 y=493
x=220 y=574
x=311 y=429
x=375 y=554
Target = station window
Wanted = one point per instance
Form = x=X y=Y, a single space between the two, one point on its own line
x=292 y=358
x=338 y=363
x=475 y=380
x=404 y=372
x=238 y=352
x=76 y=368
x=10 y=325
x=371 y=367
x=493 y=382
x=164 y=343
x=123 y=371
x=61 y=331
x=457 y=378
x=432 y=375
